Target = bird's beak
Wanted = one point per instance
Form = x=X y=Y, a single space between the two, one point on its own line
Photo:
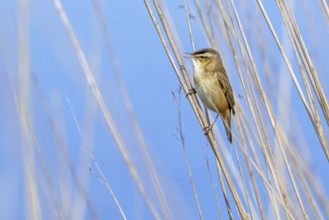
x=188 y=55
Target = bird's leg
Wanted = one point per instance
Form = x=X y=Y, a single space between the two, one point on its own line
x=209 y=128
x=190 y=92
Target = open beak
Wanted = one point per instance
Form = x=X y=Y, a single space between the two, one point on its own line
x=188 y=55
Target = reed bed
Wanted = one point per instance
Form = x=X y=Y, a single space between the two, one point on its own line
x=282 y=117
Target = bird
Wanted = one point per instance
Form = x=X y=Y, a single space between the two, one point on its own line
x=213 y=87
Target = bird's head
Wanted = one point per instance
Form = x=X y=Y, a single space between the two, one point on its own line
x=205 y=58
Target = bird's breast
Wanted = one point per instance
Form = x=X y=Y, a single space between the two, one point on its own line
x=210 y=92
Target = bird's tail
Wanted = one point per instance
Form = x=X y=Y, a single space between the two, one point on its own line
x=227 y=124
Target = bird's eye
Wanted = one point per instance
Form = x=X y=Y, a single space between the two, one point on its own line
x=202 y=57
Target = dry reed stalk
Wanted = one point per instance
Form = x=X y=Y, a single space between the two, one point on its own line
x=251 y=209
x=181 y=138
x=267 y=104
x=297 y=39
x=294 y=158
x=268 y=157
x=189 y=25
x=263 y=148
x=227 y=202
x=318 y=189
x=227 y=154
x=209 y=12
x=267 y=184
x=260 y=40
x=208 y=31
x=298 y=88
x=32 y=203
x=235 y=172
x=251 y=174
x=291 y=71
x=49 y=183
x=50 y=189
x=270 y=161
x=297 y=51
x=303 y=168
x=102 y=177
x=143 y=148
x=64 y=149
x=306 y=175
x=49 y=199
x=101 y=103
x=192 y=98
x=302 y=180
x=218 y=135
x=245 y=124
x=325 y=8
x=213 y=186
x=219 y=25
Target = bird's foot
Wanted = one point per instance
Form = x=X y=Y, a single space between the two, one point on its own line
x=207 y=129
x=190 y=92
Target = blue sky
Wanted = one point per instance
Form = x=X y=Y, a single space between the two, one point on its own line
x=150 y=81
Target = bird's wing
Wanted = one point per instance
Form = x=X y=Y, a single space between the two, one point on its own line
x=226 y=86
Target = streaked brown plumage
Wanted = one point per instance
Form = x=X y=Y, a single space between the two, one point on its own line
x=213 y=86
